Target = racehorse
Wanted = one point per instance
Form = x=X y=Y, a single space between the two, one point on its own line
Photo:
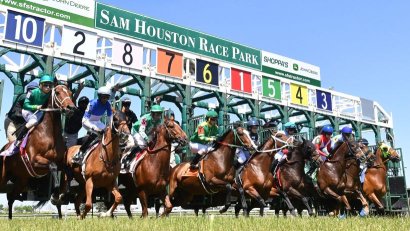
x=293 y=182
x=151 y=176
x=256 y=178
x=45 y=148
x=352 y=188
x=374 y=186
x=216 y=173
x=331 y=175
x=101 y=167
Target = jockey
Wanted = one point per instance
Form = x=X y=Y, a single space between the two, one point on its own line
x=205 y=134
x=129 y=114
x=31 y=108
x=271 y=125
x=363 y=166
x=242 y=153
x=144 y=127
x=91 y=120
x=281 y=155
x=345 y=135
x=14 y=118
x=323 y=142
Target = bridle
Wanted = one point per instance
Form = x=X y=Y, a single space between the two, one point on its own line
x=55 y=101
x=236 y=137
x=170 y=137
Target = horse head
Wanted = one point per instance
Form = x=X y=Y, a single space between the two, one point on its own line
x=243 y=139
x=61 y=99
x=119 y=126
x=388 y=153
x=174 y=132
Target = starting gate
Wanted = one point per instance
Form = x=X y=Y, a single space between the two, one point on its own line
x=95 y=44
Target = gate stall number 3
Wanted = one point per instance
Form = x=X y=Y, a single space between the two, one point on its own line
x=25 y=29
x=79 y=43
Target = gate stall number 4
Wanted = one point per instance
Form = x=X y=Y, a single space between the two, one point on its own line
x=79 y=43
x=25 y=29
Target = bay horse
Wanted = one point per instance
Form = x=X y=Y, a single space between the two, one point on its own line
x=352 y=184
x=374 y=186
x=256 y=177
x=293 y=182
x=331 y=175
x=151 y=176
x=217 y=168
x=45 y=148
x=102 y=166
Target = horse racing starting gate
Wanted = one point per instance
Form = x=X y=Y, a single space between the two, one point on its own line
x=98 y=44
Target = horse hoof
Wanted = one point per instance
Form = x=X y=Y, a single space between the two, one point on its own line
x=331 y=214
x=342 y=216
x=363 y=213
x=103 y=215
x=54 y=200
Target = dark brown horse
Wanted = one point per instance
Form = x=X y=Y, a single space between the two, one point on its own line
x=331 y=175
x=374 y=186
x=216 y=166
x=101 y=167
x=45 y=148
x=256 y=178
x=151 y=176
x=352 y=187
x=294 y=182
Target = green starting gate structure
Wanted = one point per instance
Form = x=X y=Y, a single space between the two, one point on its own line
x=99 y=45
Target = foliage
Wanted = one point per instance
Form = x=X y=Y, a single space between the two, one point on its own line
x=24 y=209
x=216 y=223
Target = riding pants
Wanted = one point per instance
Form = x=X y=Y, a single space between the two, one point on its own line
x=93 y=125
x=141 y=142
x=280 y=155
x=31 y=118
x=10 y=129
x=200 y=148
x=243 y=155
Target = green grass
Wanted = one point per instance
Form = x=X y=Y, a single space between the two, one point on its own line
x=214 y=223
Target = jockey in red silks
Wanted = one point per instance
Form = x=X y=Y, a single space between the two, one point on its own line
x=323 y=142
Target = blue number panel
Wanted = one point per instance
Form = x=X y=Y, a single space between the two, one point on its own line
x=324 y=100
x=207 y=72
x=24 y=28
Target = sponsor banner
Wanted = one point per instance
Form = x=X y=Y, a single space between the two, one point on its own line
x=291 y=69
x=75 y=11
x=165 y=34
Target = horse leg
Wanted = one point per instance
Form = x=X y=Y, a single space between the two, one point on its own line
x=89 y=185
x=237 y=209
x=78 y=199
x=227 y=199
x=117 y=200
x=158 y=206
x=144 y=203
x=336 y=196
x=304 y=199
x=10 y=199
x=243 y=201
x=127 y=204
x=252 y=192
x=365 y=205
x=373 y=198
x=288 y=203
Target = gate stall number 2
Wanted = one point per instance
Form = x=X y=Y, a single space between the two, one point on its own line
x=25 y=29
x=79 y=43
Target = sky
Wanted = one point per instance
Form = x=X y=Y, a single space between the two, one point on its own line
x=361 y=47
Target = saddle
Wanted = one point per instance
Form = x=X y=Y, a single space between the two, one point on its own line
x=130 y=161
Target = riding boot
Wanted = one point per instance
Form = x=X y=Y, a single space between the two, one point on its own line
x=78 y=157
x=273 y=166
x=311 y=170
x=195 y=161
x=238 y=168
x=20 y=136
x=127 y=160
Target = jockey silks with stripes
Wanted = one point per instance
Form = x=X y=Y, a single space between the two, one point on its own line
x=205 y=134
x=92 y=120
x=290 y=129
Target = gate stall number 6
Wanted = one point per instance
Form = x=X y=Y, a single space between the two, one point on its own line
x=79 y=43
x=24 y=28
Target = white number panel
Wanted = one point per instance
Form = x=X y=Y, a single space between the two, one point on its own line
x=127 y=54
x=79 y=43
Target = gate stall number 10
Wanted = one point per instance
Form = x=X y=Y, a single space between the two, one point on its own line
x=24 y=29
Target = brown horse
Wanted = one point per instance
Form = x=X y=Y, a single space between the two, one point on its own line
x=101 y=167
x=374 y=186
x=256 y=178
x=352 y=184
x=45 y=148
x=331 y=175
x=217 y=169
x=151 y=176
x=294 y=182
